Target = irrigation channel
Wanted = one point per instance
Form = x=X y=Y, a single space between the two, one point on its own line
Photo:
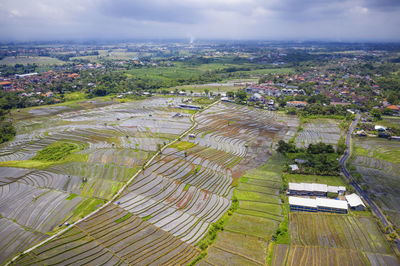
x=343 y=160
x=149 y=162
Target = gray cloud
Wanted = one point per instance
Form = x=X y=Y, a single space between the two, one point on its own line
x=234 y=19
x=151 y=10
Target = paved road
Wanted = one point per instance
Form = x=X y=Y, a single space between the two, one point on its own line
x=346 y=155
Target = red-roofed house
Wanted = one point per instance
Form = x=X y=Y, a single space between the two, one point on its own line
x=395 y=108
x=73 y=75
x=296 y=104
x=5 y=84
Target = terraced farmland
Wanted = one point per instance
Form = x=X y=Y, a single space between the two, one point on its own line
x=329 y=239
x=38 y=197
x=245 y=237
x=377 y=160
x=319 y=130
x=169 y=206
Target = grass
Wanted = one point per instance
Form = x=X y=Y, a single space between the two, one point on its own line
x=329 y=180
x=26 y=164
x=45 y=164
x=124 y=218
x=380 y=152
x=182 y=145
x=55 y=152
x=73 y=96
x=71 y=196
x=252 y=225
x=260 y=207
x=146 y=217
x=187 y=186
x=87 y=206
x=254 y=196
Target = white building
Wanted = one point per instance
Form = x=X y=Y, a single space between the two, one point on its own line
x=355 y=202
x=318 y=205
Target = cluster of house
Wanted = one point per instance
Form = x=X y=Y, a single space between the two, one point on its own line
x=313 y=198
x=40 y=82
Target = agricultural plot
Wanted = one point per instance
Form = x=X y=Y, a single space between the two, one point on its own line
x=14 y=238
x=315 y=255
x=190 y=186
x=245 y=237
x=110 y=144
x=341 y=231
x=326 y=239
x=377 y=160
x=319 y=130
x=112 y=236
x=169 y=207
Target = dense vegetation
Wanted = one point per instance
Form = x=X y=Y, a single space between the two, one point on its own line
x=7 y=130
x=318 y=158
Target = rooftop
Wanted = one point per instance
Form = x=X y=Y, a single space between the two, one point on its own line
x=354 y=200
x=318 y=202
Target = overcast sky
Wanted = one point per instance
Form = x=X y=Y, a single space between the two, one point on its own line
x=337 y=20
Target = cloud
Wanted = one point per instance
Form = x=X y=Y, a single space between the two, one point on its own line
x=233 y=19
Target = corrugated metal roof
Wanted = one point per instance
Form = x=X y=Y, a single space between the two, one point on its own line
x=336 y=189
x=302 y=202
x=331 y=203
x=318 y=202
x=308 y=187
x=354 y=200
x=315 y=187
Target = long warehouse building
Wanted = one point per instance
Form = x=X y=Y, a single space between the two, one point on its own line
x=314 y=189
x=318 y=205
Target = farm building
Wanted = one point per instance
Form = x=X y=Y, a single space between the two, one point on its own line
x=337 y=189
x=380 y=128
x=313 y=189
x=302 y=204
x=306 y=189
x=331 y=205
x=355 y=202
x=318 y=205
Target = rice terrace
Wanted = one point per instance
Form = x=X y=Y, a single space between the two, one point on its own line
x=135 y=183
x=199 y=153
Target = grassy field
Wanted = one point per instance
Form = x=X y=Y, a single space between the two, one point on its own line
x=184 y=71
x=74 y=96
x=386 y=151
x=39 y=60
x=329 y=180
